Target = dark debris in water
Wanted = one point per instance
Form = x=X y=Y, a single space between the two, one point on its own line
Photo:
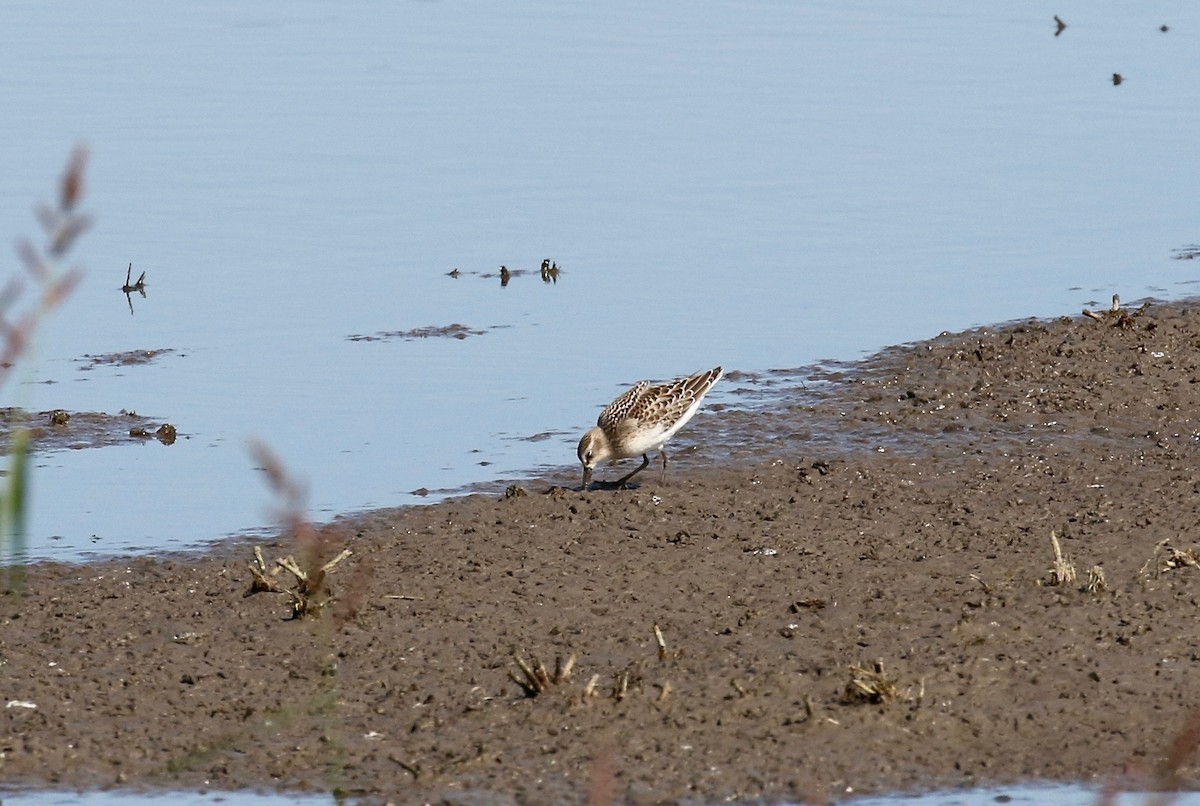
x=131 y=286
x=165 y=433
x=59 y=429
x=126 y=359
x=454 y=331
x=549 y=272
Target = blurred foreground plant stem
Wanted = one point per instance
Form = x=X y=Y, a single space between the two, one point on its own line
x=21 y=314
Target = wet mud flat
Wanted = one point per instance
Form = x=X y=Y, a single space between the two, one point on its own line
x=59 y=429
x=862 y=594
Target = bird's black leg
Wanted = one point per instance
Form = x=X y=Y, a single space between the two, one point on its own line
x=645 y=461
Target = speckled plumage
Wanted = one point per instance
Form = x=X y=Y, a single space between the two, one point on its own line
x=642 y=420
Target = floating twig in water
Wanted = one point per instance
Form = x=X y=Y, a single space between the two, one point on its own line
x=129 y=288
x=140 y=285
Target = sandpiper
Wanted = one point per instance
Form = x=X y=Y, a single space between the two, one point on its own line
x=642 y=420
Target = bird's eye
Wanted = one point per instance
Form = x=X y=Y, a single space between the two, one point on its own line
x=588 y=455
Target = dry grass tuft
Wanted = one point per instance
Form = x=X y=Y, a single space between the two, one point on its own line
x=1115 y=316
x=1063 y=572
x=535 y=679
x=1096 y=581
x=872 y=686
x=665 y=654
x=318 y=550
x=1168 y=558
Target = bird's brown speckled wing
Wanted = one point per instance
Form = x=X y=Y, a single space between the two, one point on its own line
x=668 y=402
x=619 y=409
x=656 y=409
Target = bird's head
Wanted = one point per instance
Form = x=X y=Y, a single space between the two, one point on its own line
x=593 y=449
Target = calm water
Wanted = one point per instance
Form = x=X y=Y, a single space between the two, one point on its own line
x=1019 y=795
x=759 y=185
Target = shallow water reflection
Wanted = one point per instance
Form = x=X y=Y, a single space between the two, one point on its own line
x=1052 y=795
